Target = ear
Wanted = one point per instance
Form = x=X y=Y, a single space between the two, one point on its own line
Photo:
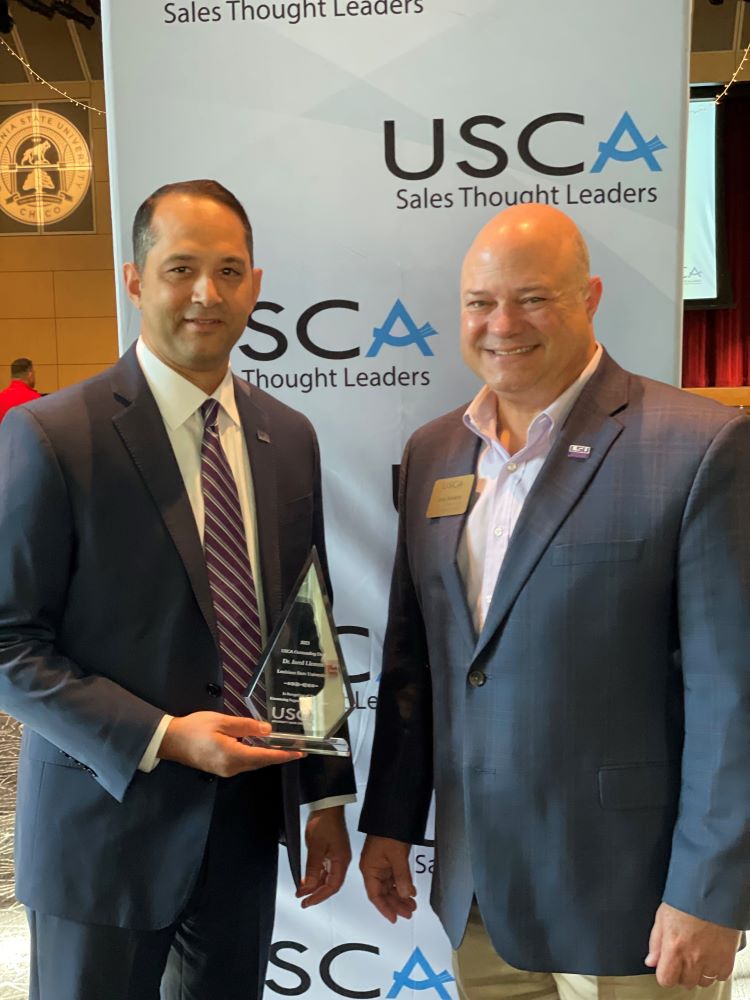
x=132 y=278
x=257 y=282
x=593 y=295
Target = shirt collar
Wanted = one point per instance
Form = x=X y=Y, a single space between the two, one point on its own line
x=481 y=414
x=177 y=398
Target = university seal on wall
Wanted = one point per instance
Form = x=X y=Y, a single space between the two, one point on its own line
x=45 y=167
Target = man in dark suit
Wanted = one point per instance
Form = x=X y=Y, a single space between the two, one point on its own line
x=566 y=658
x=153 y=521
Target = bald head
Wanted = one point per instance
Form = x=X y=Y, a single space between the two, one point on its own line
x=539 y=230
x=527 y=306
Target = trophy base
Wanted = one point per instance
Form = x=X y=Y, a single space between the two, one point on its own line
x=331 y=746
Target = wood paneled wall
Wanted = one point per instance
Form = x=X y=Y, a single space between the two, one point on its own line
x=57 y=293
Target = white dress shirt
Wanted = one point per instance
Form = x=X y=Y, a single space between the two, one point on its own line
x=503 y=483
x=179 y=403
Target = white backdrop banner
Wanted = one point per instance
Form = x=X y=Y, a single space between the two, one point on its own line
x=369 y=140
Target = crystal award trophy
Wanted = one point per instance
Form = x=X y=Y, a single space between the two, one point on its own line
x=300 y=685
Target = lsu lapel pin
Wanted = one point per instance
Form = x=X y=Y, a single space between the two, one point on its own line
x=263 y=436
x=579 y=451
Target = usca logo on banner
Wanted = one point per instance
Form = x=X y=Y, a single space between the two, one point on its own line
x=414 y=334
x=416 y=974
x=640 y=149
x=429 y=978
x=626 y=144
x=398 y=329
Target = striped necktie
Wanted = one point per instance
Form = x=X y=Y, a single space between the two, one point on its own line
x=229 y=572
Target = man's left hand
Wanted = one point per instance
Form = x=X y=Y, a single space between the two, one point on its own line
x=687 y=951
x=328 y=855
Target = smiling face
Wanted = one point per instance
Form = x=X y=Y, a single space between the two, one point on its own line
x=196 y=288
x=527 y=305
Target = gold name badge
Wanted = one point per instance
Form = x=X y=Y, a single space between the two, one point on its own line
x=450 y=496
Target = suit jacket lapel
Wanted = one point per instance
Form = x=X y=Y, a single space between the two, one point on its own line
x=140 y=425
x=559 y=485
x=262 y=450
x=461 y=460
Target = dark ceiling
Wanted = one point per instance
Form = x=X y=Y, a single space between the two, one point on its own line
x=57 y=48
x=62 y=50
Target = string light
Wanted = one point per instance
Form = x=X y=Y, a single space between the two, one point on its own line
x=736 y=74
x=46 y=83
x=98 y=111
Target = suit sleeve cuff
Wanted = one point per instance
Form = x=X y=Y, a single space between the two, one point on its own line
x=332 y=800
x=150 y=758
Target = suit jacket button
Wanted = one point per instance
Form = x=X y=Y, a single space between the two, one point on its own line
x=214 y=690
x=477 y=678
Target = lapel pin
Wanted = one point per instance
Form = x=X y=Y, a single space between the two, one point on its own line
x=263 y=436
x=579 y=451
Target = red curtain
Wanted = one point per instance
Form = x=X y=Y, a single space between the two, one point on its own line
x=716 y=342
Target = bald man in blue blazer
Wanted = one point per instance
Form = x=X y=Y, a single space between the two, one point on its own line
x=567 y=657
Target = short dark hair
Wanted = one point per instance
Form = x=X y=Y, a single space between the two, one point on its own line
x=20 y=367
x=143 y=235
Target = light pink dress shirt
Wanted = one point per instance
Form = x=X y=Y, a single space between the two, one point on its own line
x=503 y=483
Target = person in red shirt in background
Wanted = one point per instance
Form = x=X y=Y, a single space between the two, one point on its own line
x=21 y=388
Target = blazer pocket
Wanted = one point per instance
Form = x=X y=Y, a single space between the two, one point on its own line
x=297 y=508
x=594 y=552
x=639 y=786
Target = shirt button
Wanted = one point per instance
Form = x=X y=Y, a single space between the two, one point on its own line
x=511 y=466
x=214 y=689
x=477 y=678
x=498 y=532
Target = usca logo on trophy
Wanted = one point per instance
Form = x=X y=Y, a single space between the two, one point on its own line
x=45 y=167
x=398 y=329
x=417 y=973
x=625 y=144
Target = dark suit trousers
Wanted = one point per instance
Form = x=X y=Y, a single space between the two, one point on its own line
x=218 y=947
